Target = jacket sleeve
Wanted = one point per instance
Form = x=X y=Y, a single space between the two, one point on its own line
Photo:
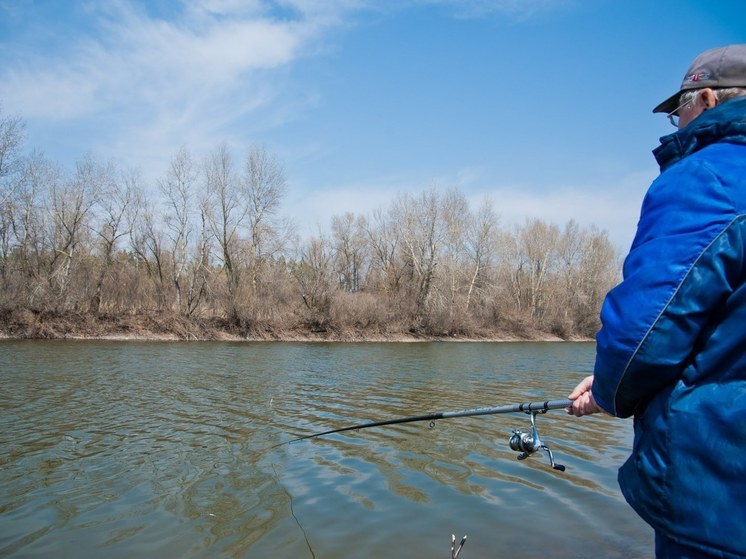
x=680 y=269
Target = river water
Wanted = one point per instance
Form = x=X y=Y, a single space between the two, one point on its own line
x=133 y=449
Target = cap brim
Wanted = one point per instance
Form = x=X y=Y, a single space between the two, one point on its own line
x=669 y=104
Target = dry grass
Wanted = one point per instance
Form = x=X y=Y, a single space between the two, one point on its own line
x=28 y=324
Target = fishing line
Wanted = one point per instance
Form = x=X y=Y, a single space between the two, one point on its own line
x=292 y=512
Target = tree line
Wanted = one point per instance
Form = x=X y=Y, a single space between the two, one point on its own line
x=207 y=244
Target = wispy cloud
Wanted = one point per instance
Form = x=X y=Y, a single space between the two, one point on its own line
x=130 y=59
x=204 y=52
x=139 y=79
x=158 y=81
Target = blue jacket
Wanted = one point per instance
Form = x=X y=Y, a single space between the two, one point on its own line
x=672 y=348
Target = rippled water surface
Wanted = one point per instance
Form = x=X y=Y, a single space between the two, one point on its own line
x=128 y=449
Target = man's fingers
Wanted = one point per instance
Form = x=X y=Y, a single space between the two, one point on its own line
x=583 y=387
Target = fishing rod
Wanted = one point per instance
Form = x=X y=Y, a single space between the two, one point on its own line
x=524 y=442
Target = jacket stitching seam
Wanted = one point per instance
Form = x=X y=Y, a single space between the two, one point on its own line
x=668 y=304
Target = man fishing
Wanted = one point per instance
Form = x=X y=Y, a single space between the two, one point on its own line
x=672 y=348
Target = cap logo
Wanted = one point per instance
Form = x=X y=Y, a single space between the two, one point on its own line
x=698 y=76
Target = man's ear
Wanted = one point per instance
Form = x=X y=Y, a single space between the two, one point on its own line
x=707 y=98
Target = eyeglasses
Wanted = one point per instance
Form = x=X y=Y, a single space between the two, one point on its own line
x=673 y=116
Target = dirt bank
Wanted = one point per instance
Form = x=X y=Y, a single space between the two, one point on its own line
x=27 y=324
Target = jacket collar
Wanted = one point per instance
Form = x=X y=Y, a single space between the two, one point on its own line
x=724 y=123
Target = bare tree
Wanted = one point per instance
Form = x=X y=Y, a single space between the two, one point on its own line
x=383 y=239
x=178 y=191
x=599 y=271
x=22 y=217
x=314 y=276
x=481 y=245
x=539 y=240
x=263 y=187
x=456 y=221
x=147 y=242
x=532 y=254
x=227 y=213
x=12 y=136
x=348 y=234
x=200 y=263
x=116 y=194
x=70 y=206
x=422 y=238
x=11 y=139
x=569 y=259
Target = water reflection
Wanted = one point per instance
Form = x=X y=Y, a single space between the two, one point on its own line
x=164 y=449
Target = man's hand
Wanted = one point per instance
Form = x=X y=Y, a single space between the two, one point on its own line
x=583 y=401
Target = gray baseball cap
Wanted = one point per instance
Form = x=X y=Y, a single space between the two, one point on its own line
x=721 y=67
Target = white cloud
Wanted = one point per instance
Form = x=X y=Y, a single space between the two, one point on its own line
x=131 y=59
x=141 y=86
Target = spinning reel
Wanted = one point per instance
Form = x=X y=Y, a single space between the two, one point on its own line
x=529 y=443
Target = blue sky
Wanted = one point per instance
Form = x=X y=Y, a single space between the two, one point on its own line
x=544 y=106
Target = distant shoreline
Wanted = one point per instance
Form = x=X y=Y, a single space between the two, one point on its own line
x=20 y=324
x=151 y=337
